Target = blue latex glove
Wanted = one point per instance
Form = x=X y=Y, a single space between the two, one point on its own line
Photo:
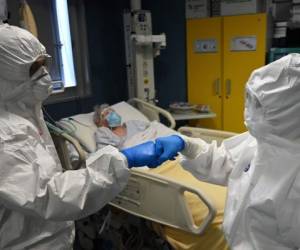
x=145 y=154
x=170 y=146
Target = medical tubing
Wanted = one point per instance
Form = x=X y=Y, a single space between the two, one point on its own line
x=79 y=122
x=69 y=123
x=49 y=116
x=66 y=121
x=55 y=126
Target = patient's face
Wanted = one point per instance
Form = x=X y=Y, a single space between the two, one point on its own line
x=118 y=130
x=103 y=115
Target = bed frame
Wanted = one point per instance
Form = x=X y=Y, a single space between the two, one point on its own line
x=152 y=112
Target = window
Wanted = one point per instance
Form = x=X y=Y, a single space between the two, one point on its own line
x=70 y=54
x=64 y=34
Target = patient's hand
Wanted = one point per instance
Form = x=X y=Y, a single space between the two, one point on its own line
x=120 y=130
x=145 y=154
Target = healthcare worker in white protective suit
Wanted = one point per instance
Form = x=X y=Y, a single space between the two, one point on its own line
x=38 y=201
x=261 y=167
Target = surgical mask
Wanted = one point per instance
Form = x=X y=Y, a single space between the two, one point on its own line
x=42 y=87
x=113 y=119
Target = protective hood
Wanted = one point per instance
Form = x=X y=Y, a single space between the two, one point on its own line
x=273 y=100
x=18 y=50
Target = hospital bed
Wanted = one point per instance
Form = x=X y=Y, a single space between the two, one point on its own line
x=187 y=208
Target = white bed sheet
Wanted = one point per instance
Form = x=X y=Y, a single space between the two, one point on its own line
x=154 y=130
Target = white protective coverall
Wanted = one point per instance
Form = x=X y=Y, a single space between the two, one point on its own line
x=260 y=168
x=38 y=201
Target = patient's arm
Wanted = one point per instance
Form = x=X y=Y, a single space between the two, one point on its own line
x=135 y=126
x=104 y=136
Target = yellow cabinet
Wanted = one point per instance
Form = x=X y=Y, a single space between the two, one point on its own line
x=221 y=54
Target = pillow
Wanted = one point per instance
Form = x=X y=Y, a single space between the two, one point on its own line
x=128 y=112
x=83 y=128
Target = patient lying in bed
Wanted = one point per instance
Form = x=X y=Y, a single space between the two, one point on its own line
x=112 y=131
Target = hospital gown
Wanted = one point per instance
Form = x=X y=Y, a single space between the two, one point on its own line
x=105 y=136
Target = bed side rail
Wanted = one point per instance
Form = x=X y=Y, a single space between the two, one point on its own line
x=60 y=139
x=162 y=200
x=207 y=135
x=152 y=111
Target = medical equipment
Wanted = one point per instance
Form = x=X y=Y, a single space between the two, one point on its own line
x=141 y=46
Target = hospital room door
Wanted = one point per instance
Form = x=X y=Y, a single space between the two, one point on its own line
x=221 y=54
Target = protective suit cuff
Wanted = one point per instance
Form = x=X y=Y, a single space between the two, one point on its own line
x=123 y=156
x=193 y=147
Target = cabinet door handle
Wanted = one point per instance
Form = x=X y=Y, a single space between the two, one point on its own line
x=228 y=88
x=217 y=87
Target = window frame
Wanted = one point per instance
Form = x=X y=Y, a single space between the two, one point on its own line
x=80 y=53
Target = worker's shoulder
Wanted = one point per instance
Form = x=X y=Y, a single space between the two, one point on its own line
x=12 y=125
